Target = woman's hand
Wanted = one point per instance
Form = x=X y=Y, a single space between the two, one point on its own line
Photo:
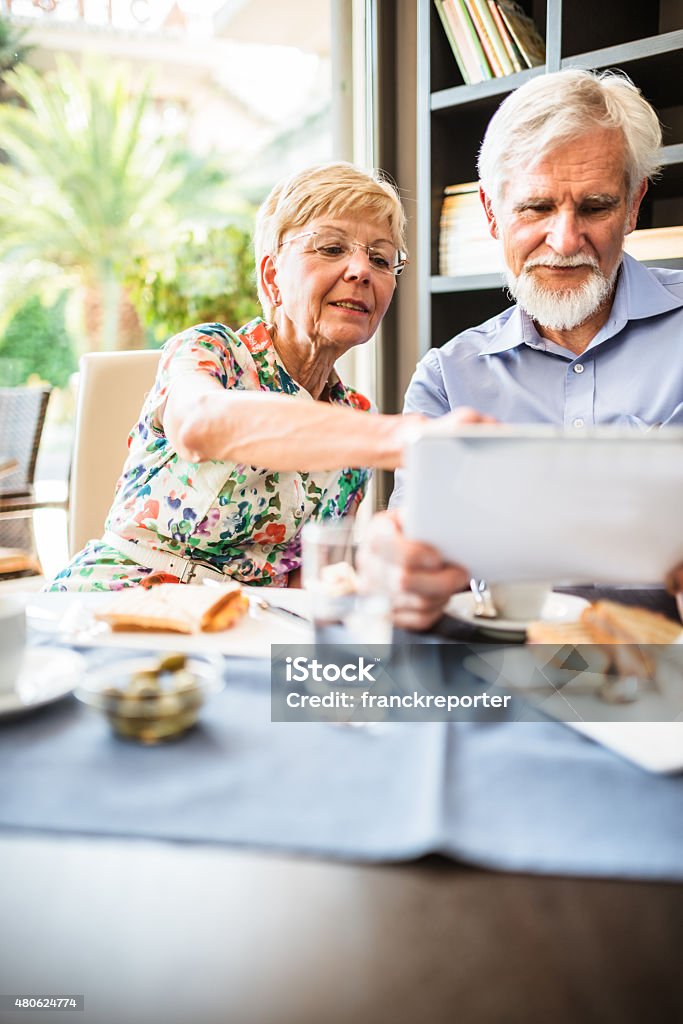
x=419 y=580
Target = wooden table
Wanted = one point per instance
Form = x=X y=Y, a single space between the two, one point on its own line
x=162 y=932
x=157 y=932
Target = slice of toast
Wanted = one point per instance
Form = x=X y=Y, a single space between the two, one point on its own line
x=628 y=632
x=211 y=608
x=614 y=623
x=608 y=622
x=619 y=634
x=559 y=633
x=175 y=608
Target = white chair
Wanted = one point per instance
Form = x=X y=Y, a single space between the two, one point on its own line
x=111 y=390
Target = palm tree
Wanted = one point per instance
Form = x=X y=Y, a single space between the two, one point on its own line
x=13 y=50
x=87 y=189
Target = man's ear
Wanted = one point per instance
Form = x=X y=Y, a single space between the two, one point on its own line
x=488 y=210
x=268 y=279
x=632 y=218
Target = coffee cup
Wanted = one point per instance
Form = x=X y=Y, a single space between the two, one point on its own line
x=520 y=601
x=12 y=642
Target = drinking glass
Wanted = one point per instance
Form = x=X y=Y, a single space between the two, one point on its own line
x=351 y=619
x=345 y=608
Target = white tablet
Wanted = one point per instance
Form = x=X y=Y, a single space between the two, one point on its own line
x=536 y=503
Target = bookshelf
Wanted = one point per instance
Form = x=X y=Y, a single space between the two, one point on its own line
x=643 y=39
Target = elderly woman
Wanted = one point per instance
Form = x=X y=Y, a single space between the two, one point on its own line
x=248 y=434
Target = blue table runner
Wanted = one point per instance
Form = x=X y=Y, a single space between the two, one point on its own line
x=518 y=796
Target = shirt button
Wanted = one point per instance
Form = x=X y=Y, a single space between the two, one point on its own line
x=578 y=423
x=579 y=368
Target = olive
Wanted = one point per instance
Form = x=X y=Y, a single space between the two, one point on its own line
x=172 y=663
x=184 y=681
x=143 y=680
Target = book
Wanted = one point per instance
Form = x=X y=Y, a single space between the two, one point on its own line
x=655 y=243
x=513 y=53
x=450 y=35
x=465 y=245
x=523 y=31
x=484 y=39
x=457 y=10
x=459 y=50
x=490 y=38
x=462 y=188
x=489 y=28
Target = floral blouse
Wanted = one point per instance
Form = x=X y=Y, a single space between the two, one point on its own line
x=241 y=518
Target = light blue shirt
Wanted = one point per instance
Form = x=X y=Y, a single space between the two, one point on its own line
x=630 y=374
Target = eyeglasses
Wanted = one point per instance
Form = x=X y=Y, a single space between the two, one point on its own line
x=332 y=245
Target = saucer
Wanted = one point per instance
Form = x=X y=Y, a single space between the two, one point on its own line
x=558 y=608
x=47 y=674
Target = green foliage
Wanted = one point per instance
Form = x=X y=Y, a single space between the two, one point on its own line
x=36 y=341
x=101 y=189
x=12 y=48
x=88 y=188
x=199 y=280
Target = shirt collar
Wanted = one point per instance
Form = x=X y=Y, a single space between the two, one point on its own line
x=639 y=294
x=517 y=330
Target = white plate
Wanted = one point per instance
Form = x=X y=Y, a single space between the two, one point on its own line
x=71 y=618
x=648 y=731
x=558 y=608
x=47 y=674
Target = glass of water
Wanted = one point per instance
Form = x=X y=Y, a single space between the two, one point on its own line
x=344 y=607
x=351 y=619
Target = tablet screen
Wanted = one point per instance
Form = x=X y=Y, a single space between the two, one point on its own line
x=536 y=503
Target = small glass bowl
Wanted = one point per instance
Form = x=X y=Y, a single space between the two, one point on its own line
x=152 y=699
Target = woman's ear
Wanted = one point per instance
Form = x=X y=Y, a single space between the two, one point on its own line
x=268 y=277
x=488 y=210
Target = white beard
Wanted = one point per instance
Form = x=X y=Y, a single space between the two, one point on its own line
x=561 y=309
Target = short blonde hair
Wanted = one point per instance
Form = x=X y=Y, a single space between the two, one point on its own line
x=334 y=190
x=549 y=110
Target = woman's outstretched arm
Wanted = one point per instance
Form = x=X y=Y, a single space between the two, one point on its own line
x=204 y=421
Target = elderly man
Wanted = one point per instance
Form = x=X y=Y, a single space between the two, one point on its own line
x=595 y=337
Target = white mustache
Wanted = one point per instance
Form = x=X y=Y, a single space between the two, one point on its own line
x=563 y=261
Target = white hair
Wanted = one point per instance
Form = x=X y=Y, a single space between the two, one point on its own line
x=549 y=110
